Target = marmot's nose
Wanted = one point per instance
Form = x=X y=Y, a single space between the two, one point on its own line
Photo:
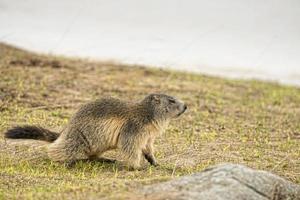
x=184 y=107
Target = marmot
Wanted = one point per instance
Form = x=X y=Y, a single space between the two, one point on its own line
x=106 y=124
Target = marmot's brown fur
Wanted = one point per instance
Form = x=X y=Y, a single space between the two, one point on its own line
x=107 y=124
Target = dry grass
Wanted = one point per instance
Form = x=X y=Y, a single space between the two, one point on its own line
x=247 y=122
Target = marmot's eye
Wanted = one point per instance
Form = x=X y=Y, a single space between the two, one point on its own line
x=172 y=101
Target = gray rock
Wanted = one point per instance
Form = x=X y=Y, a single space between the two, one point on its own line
x=226 y=181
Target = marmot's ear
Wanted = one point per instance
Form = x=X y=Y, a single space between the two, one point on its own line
x=156 y=98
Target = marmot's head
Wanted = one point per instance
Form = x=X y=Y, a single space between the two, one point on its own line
x=164 y=106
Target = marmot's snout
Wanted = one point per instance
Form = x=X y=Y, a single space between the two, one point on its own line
x=182 y=108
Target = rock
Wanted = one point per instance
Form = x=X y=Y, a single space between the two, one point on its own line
x=225 y=181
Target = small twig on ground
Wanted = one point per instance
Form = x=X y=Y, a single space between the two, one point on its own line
x=173 y=172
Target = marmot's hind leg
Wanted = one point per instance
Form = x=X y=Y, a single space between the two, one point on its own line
x=67 y=153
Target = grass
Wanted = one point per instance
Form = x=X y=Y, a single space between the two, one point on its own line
x=247 y=122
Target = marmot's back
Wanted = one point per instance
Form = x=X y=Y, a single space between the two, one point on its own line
x=103 y=108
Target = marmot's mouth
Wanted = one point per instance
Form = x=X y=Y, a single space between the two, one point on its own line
x=184 y=109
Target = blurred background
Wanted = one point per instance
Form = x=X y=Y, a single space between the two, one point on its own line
x=255 y=39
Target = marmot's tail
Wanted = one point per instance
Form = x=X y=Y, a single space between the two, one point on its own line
x=31 y=132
